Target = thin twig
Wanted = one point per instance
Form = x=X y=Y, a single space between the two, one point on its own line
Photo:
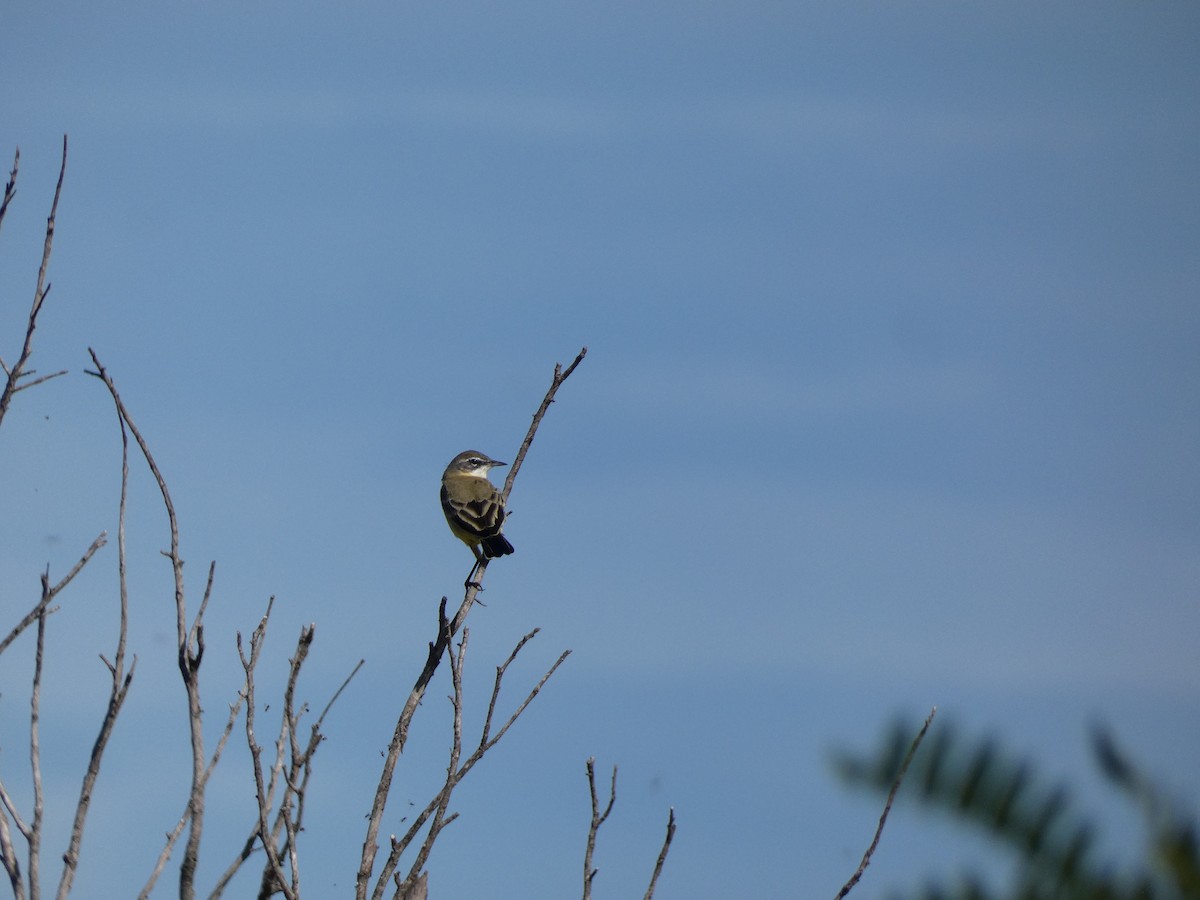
x=10 y=189
x=887 y=807
x=486 y=743
x=332 y=700
x=662 y=854
x=49 y=593
x=560 y=375
x=17 y=371
x=41 y=379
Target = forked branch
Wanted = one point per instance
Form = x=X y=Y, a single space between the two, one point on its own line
x=456 y=771
x=599 y=817
x=49 y=592
x=446 y=630
x=280 y=882
x=31 y=829
x=189 y=644
x=13 y=382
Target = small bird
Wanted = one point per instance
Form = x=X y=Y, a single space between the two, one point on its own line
x=474 y=508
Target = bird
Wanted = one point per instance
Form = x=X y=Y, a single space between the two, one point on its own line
x=474 y=508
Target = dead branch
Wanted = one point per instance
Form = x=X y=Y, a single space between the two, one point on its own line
x=35 y=762
x=50 y=592
x=662 y=854
x=288 y=818
x=598 y=819
x=18 y=370
x=121 y=680
x=190 y=647
x=173 y=835
x=10 y=189
x=8 y=854
x=31 y=831
x=560 y=375
x=305 y=764
x=436 y=808
x=887 y=807
x=445 y=632
x=441 y=802
x=264 y=798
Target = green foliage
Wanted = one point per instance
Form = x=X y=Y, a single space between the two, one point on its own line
x=982 y=784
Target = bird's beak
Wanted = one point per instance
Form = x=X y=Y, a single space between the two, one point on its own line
x=495 y=463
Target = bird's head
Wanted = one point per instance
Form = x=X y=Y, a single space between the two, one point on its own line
x=472 y=464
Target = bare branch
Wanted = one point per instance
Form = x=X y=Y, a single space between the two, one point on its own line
x=399 y=739
x=17 y=371
x=445 y=633
x=35 y=761
x=487 y=743
x=598 y=819
x=32 y=830
x=560 y=375
x=662 y=854
x=264 y=800
x=455 y=776
x=10 y=189
x=474 y=582
x=251 y=841
x=10 y=807
x=441 y=802
x=40 y=379
x=49 y=592
x=8 y=854
x=117 y=693
x=173 y=835
x=190 y=648
x=887 y=807
x=332 y=700
x=295 y=778
x=302 y=759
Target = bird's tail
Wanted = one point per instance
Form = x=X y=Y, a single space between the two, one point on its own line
x=496 y=546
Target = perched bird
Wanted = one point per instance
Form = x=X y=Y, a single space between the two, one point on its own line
x=474 y=508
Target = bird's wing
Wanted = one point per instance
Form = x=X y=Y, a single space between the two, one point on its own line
x=480 y=516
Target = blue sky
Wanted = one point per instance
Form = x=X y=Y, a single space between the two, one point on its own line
x=892 y=399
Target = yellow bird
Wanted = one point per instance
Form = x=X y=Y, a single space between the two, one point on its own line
x=474 y=508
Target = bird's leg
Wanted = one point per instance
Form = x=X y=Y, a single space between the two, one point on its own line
x=480 y=562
